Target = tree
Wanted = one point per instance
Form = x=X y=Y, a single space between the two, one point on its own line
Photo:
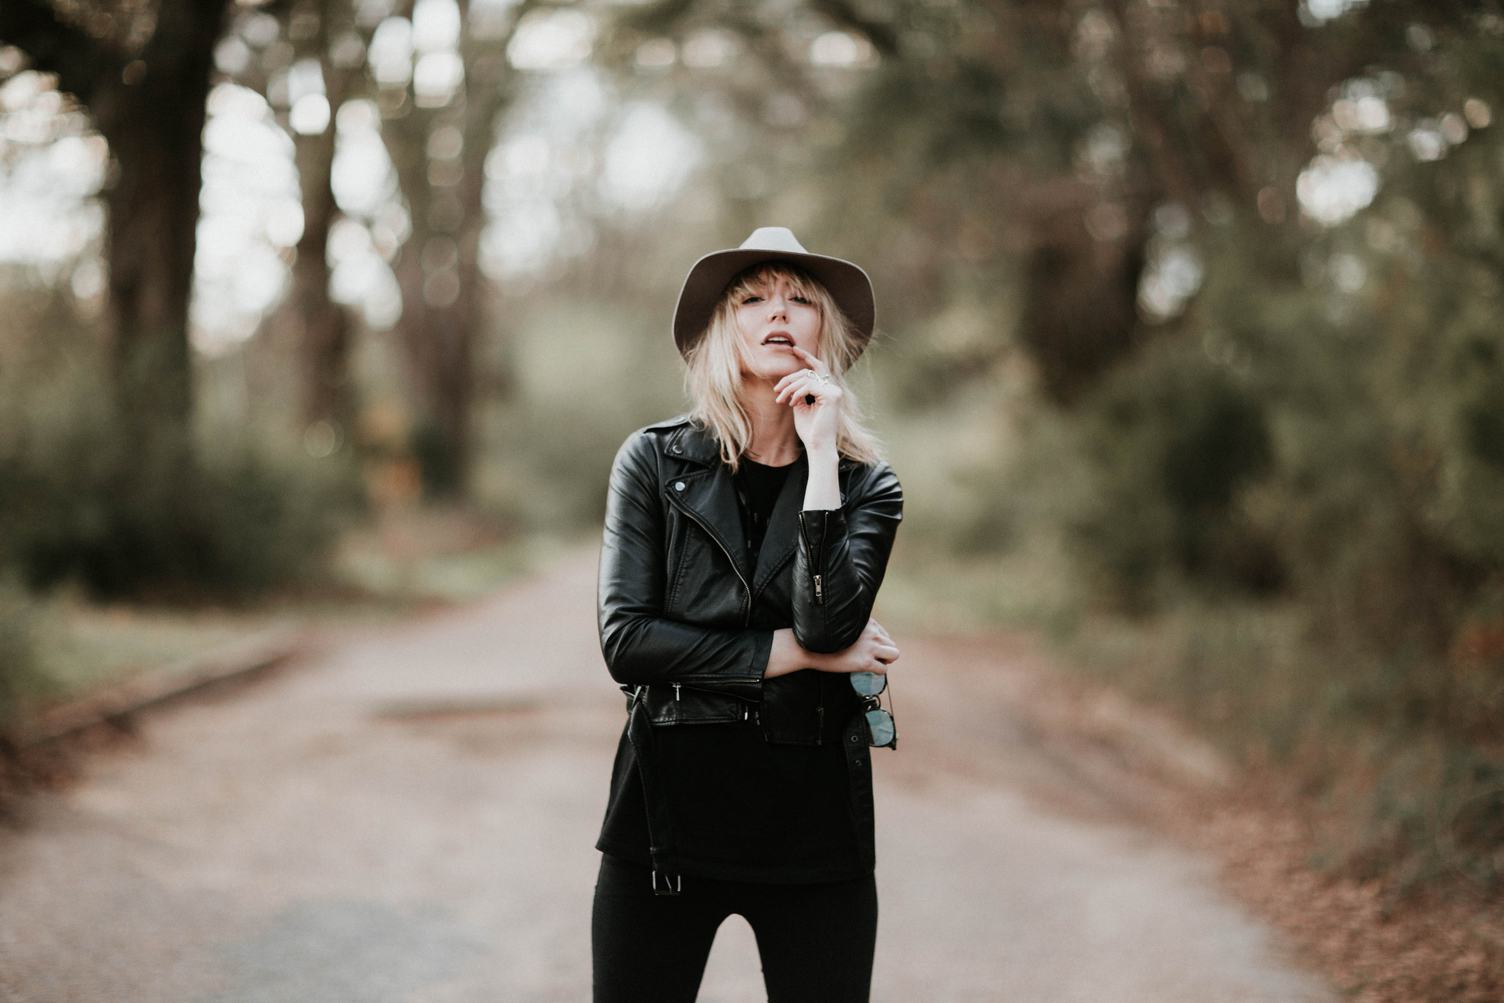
x=144 y=78
x=439 y=149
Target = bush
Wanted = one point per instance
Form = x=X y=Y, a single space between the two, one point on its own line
x=243 y=517
x=22 y=678
x=1171 y=444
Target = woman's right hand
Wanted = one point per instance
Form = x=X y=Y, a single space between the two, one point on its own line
x=873 y=651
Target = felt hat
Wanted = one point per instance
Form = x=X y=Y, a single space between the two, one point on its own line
x=709 y=277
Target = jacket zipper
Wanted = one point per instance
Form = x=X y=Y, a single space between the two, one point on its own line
x=817 y=557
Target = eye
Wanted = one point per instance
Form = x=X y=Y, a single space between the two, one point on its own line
x=750 y=298
x=798 y=298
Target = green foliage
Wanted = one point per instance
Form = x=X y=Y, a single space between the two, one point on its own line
x=83 y=504
x=1170 y=444
x=22 y=678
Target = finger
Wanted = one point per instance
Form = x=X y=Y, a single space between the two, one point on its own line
x=810 y=359
x=789 y=388
x=786 y=377
x=794 y=391
x=886 y=652
x=813 y=361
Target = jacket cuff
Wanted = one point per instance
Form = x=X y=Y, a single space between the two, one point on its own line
x=819 y=524
x=762 y=649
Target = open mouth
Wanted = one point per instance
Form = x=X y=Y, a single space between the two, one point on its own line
x=778 y=339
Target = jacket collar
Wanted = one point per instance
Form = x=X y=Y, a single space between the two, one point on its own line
x=689 y=441
x=709 y=497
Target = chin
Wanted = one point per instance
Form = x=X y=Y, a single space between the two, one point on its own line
x=772 y=370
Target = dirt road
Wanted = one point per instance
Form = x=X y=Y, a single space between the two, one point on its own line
x=410 y=815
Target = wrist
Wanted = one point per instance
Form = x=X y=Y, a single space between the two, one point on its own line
x=788 y=655
x=824 y=452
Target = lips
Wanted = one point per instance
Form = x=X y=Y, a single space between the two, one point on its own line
x=778 y=338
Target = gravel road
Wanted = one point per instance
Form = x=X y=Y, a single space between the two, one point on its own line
x=409 y=815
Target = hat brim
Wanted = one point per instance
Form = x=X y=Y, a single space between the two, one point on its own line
x=847 y=283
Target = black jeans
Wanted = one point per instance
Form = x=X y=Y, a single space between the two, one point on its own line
x=816 y=941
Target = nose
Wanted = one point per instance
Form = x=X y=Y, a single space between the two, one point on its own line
x=777 y=304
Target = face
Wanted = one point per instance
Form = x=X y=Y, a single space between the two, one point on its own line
x=772 y=315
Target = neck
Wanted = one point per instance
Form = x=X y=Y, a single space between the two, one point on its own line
x=774 y=439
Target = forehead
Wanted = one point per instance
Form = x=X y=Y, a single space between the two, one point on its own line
x=766 y=275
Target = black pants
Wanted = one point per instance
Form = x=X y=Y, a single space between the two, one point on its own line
x=816 y=941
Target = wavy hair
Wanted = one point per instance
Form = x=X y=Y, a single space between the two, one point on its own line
x=713 y=378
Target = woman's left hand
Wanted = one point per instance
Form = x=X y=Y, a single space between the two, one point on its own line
x=818 y=422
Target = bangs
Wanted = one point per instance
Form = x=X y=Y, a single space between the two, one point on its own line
x=758 y=278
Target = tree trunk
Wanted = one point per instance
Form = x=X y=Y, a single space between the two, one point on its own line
x=438 y=269
x=152 y=114
x=321 y=327
x=150 y=108
x=1080 y=311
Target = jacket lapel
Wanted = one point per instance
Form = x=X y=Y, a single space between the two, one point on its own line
x=705 y=493
x=709 y=497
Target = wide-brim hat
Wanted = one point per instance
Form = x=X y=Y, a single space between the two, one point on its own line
x=709 y=277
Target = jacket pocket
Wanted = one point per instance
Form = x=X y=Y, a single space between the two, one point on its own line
x=791 y=711
x=682 y=703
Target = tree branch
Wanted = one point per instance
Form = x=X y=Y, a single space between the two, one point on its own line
x=56 y=46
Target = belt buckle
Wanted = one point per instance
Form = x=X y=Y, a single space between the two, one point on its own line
x=671 y=884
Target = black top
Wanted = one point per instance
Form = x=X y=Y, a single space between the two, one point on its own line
x=757 y=487
x=735 y=794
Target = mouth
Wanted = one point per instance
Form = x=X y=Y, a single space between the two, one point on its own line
x=778 y=338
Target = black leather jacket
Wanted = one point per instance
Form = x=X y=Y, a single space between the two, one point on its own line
x=686 y=624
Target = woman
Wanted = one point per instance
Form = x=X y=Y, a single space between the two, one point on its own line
x=744 y=545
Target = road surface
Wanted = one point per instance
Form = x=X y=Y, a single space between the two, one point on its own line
x=409 y=815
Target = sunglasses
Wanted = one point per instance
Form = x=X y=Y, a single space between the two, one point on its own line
x=882 y=734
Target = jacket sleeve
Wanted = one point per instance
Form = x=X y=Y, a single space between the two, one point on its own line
x=639 y=643
x=841 y=560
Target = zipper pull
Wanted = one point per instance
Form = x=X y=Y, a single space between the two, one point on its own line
x=676 y=692
x=820 y=589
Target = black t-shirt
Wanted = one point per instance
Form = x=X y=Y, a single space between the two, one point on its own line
x=738 y=800
x=757 y=487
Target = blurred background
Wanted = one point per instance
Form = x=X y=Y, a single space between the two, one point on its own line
x=1189 y=354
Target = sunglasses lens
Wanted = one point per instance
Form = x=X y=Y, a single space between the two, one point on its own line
x=869 y=684
x=880 y=723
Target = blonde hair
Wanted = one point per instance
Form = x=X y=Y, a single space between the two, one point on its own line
x=713 y=379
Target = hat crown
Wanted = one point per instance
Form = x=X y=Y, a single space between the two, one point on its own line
x=773 y=238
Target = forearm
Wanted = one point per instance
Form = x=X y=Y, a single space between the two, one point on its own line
x=823 y=490
x=654 y=649
x=787 y=655
x=839 y=564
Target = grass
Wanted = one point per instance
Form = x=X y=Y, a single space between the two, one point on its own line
x=62 y=646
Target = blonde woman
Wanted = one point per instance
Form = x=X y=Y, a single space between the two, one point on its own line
x=744 y=545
